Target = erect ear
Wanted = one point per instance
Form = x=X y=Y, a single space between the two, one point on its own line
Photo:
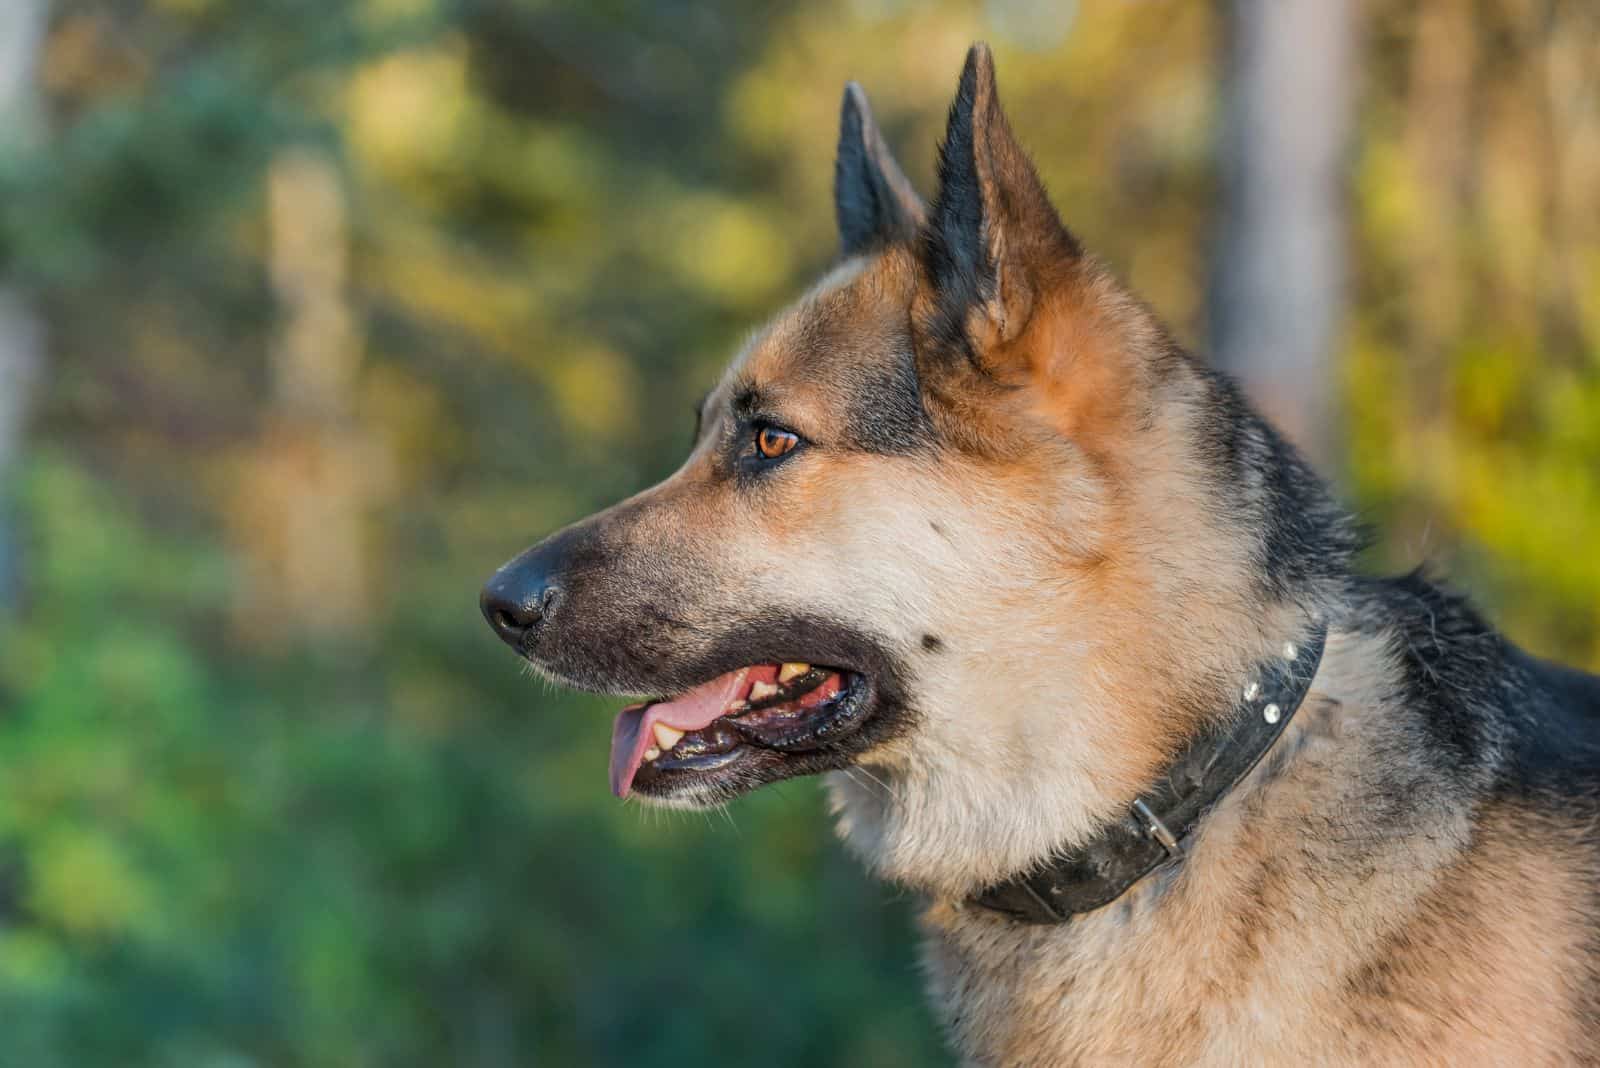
x=993 y=239
x=872 y=197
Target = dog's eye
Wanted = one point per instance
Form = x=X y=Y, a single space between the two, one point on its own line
x=771 y=442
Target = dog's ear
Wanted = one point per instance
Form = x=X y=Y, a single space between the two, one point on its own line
x=872 y=197
x=992 y=237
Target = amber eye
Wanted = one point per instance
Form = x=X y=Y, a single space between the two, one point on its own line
x=773 y=443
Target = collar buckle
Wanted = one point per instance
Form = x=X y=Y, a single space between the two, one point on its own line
x=1156 y=829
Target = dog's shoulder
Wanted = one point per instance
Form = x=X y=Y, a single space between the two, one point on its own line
x=1559 y=727
x=1486 y=702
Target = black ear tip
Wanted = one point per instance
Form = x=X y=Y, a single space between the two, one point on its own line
x=853 y=110
x=873 y=202
x=977 y=70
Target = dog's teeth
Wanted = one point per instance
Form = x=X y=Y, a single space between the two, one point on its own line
x=762 y=690
x=790 y=672
x=652 y=753
x=667 y=737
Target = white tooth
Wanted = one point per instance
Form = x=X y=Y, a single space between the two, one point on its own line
x=762 y=690
x=667 y=737
x=790 y=672
x=652 y=753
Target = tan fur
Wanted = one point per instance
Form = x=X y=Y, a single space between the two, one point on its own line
x=1053 y=562
x=1463 y=948
x=1074 y=582
x=1262 y=950
x=1460 y=948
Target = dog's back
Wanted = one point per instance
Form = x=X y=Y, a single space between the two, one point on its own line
x=1558 y=740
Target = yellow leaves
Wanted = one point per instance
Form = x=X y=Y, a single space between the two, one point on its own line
x=379 y=12
x=760 y=110
x=1488 y=381
x=1375 y=399
x=405 y=110
x=1500 y=476
x=595 y=390
x=409 y=413
x=439 y=280
x=1386 y=189
x=730 y=250
x=83 y=882
x=1587 y=296
x=1537 y=510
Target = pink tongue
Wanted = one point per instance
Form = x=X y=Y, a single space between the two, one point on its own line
x=632 y=734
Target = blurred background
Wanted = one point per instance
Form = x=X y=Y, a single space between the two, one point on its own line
x=313 y=312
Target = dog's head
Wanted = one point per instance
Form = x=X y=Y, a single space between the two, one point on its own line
x=962 y=524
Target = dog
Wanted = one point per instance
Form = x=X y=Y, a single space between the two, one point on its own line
x=1077 y=639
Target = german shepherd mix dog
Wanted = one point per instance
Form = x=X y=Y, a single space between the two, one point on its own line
x=1076 y=636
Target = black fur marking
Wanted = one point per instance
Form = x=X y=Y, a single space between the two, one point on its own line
x=953 y=250
x=1485 y=703
x=1453 y=666
x=748 y=403
x=883 y=411
x=870 y=211
x=699 y=418
x=1306 y=540
x=932 y=643
x=1564 y=755
x=1493 y=720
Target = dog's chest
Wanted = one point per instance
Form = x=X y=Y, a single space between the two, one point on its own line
x=1108 y=993
x=1109 y=989
x=1029 y=996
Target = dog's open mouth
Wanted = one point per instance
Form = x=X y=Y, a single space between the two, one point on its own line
x=763 y=710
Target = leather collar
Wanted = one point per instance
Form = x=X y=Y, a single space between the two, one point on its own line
x=1160 y=822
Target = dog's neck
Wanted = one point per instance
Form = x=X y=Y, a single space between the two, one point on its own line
x=1159 y=823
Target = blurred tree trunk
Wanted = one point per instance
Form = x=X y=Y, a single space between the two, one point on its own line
x=1278 y=284
x=21 y=337
x=314 y=477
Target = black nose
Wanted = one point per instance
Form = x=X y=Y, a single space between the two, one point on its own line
x=521 y=596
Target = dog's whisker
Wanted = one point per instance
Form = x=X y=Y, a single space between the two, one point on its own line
x=887 y=789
